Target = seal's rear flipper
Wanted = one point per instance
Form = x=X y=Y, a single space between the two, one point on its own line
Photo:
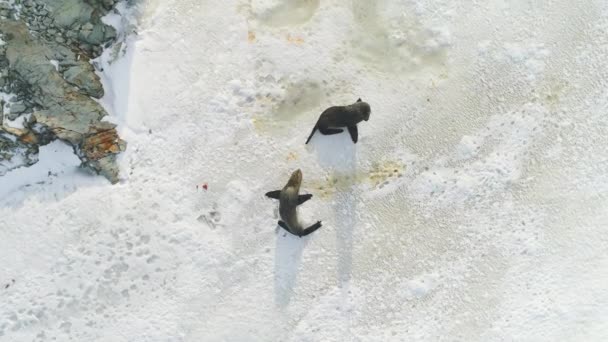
x=274 y=194
x=354 y=133
x=311 y=229
x=284 y=226
x=304 y=198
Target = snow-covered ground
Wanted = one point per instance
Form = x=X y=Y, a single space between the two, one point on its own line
x=473 y=208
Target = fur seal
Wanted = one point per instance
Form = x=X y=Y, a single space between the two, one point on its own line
x=289 y=199
x=342 y=116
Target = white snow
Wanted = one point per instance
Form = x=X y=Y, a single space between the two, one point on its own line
x=54 y=63
x=473 y=207
x=6 y=97
x=18 y=122
x=53 y=177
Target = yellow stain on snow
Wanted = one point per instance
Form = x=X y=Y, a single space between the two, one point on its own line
x=379 y=174
x=295 y=39
x=259 y=123
x=553 y=91
x=292 y=156
x=266 y=125
x=386 y=171
x=251 y=36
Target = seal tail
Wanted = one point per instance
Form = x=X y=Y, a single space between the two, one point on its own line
x=313 y=132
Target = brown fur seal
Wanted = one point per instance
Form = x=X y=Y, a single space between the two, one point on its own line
x=289 y=199
x=342 y=116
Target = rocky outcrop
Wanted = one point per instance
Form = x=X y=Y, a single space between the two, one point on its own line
x=48 y=45
x=15 y=153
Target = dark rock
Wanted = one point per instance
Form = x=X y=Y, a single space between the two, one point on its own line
x=69 y=12
x=84 y=77
x=16 y=109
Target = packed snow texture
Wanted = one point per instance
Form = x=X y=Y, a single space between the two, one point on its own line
x=473 y=208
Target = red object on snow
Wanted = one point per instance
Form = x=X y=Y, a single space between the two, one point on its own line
x=205 y=186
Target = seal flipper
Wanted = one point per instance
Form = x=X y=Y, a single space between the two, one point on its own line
x=274 y=194
x=310 y=229
x=359 y=100
x=312 y=133
x=284 y=226
x=304 y=198
x=354 y=133
x=330 y=131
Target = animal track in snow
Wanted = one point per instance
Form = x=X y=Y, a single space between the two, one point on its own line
x=212 y=218
x=115 y=266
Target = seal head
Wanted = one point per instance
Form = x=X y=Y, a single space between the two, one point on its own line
x=295 y=180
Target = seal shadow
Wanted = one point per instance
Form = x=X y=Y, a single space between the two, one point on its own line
x=338 y=154
x=287 y=259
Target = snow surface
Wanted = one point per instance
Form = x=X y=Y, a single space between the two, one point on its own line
x=473 y=208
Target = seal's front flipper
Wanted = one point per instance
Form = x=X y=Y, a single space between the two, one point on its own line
x=330 y=131
x=274 y=194
x=311 y=134
x=304 y=198
x=311 y=229
x=354 y=133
